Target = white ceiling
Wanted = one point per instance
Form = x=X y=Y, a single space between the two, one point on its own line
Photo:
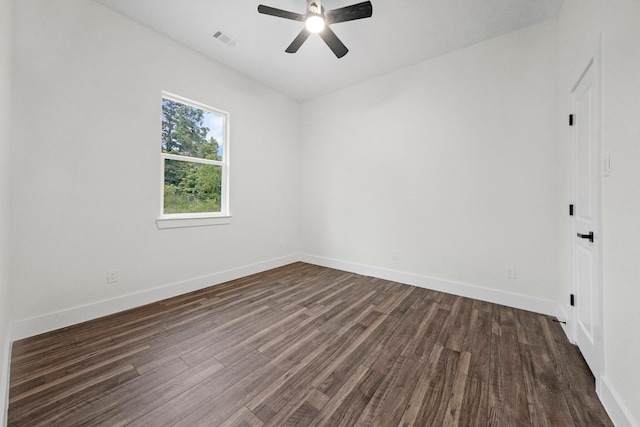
x=400 y=33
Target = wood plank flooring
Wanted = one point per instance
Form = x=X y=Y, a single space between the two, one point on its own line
x=304 y=345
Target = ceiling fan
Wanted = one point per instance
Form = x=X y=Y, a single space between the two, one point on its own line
x=317 y=21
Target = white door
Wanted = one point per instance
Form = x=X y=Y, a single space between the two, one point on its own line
x=587 y=236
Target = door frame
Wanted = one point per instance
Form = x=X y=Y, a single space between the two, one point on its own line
x=594 y=63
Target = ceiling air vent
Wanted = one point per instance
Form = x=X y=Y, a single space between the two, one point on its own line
x=225 y=38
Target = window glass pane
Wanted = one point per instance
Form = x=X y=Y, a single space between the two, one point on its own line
x=191 y=187
x=191 y=131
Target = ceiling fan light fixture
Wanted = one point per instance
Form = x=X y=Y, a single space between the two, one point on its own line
x=318 y=21
x=315 y=23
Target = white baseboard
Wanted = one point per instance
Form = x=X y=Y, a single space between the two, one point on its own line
x=524 y=302
x=52 y=321
x=617 y=410
x=5 y=360
x=563 y=316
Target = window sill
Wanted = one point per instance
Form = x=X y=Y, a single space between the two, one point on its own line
x=191 y=221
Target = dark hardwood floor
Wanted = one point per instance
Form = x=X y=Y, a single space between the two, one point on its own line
x=304 y=345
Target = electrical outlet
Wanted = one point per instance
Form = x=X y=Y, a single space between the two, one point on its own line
x=395 y=255
x=112 y=275
x=509 y=272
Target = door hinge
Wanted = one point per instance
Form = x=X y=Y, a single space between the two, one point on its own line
x=572 y=300
x=570 y=210
x=570 y=119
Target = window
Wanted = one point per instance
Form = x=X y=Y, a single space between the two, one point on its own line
x=194 y=152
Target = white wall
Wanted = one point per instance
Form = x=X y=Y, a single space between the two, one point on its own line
x=451 y=162
x=86 y=189
x=6 y=30
x=581 y=23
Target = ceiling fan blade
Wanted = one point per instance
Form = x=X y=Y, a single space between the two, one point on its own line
x=268 y=10
x=334 y=43
x=350 y=13
x=297 y=42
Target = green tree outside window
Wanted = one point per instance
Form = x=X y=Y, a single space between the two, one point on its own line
x=193 y=160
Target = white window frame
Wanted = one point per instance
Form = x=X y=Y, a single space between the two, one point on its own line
x=179 y=220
